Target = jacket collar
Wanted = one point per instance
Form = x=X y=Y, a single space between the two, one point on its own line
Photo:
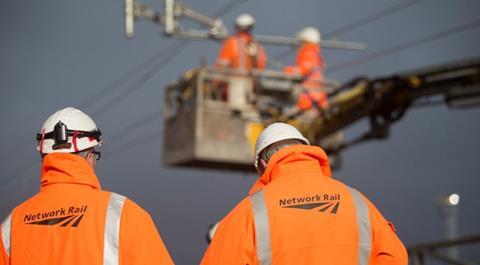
x=294 y=160
x=245 y=36
x=311 y=46
x=67 y=168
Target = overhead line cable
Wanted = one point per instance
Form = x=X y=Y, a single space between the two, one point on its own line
x=227 y=7
x=123 y=79
x=99 y=94
x=177 y=48
x=358 y=23
x=134 y=142
x=403 y=46
x=135 y=125
x=373 y=17
x=282 y=55
x=21 y=171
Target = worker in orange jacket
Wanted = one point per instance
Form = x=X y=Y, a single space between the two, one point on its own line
x=241 y=51
x=296 y=213
x=310 y=65
x=71 y=220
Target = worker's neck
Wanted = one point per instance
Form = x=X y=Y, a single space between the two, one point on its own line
x=244 y=34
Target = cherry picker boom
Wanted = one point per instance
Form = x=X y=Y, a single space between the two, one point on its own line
x=205 y=129
x=385 y=100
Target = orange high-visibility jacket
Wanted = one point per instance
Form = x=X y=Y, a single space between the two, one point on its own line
x=297 y=214
x=309 y=60
x=242 y=52
x=72 y=221
x=310 y=65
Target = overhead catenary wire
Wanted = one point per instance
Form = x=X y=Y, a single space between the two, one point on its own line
x=135 y=142
x=123 y=95
x=371 y=18
x=98 y=95
x=145 y=120
x=170 y=53
x=117 y=83
x=355 y=24
x=407 y=45
x=282 y=55
x=227 y=7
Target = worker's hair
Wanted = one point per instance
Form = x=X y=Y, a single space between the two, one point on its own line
x=272 y=149
x=82 y=153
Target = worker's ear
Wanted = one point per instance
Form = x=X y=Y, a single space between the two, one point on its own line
x=262 y=165
x=91 y=159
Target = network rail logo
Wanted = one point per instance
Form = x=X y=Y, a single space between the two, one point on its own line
x=70 y=216
x=323 y=202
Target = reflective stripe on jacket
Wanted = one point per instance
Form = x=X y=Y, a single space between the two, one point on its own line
x=297 y=214
x=242 y=52
x=72 y=221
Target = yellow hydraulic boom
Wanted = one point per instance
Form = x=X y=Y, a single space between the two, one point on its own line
x=213 y=116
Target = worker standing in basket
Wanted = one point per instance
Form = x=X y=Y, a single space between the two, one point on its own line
x=241 y=51
x=310 y=65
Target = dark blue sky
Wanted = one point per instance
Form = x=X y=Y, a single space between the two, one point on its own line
x=62 y=53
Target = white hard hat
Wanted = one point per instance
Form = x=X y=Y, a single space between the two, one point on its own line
x=274 y=133
x=68 y=130
x=310 y=34
x=211 y=231
x=245 y=21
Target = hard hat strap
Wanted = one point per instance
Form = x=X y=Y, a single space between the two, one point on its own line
x=74 y=141
x=61 y=133
x=80 y=134
x=42 y=137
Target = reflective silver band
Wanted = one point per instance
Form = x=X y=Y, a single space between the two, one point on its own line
x=6 y=231
x=243 y=53
x=364 y=228
x=262 y=228
x=112 y=229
